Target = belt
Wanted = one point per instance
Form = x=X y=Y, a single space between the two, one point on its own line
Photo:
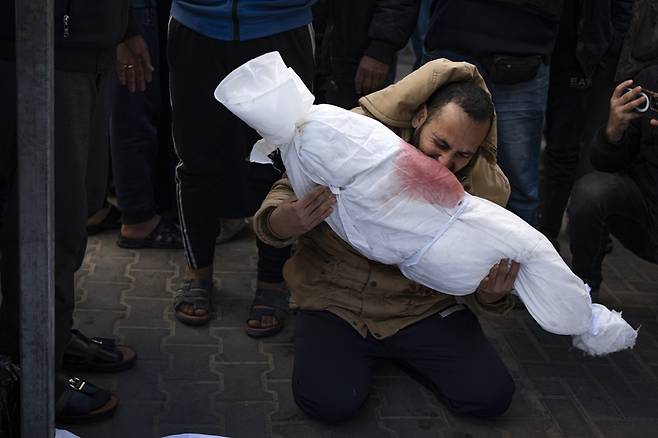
x=451 y=309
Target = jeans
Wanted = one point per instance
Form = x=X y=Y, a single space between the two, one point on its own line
x=603 y=204
x=134 y=133
x=520 y=109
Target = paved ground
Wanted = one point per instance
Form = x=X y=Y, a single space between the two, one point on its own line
x=216 y=380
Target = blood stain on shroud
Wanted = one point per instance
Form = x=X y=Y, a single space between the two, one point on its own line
x=425 y=179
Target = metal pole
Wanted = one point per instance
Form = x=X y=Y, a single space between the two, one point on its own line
x=35 y=135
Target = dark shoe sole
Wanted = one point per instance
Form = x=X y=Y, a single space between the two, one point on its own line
x=99 y=414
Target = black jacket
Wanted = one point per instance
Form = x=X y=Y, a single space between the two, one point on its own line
x=376 y=28
x=637 y=152
x=478 y=29
x=86 y=40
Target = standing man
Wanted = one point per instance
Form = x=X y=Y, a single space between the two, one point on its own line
x=207 y=40
x=511 y=42
x=91 y=39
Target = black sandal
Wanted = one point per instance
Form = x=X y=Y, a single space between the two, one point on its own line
x=82 y=402
x=268 y=302
x=197 y=294
x=101 y=355
x=165 y=236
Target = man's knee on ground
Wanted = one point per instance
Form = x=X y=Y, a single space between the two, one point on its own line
x=490 y=400
x=328 y=404
x=496 y=400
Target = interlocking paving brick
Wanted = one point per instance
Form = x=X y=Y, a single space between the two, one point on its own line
x=286 y=409
x=231 y=312
x=146 y=341
x=153 y=261
x=190 y=402
x=191 y=362
x=551 y=388
x=146 y=313
x=183 y=334
x=200 y=379
x=593 y=398
x=523 y=346
x=150 y=284
x=247 y=419
x=97 y=323
x=102 y=296
x=141 y=383
x=548 y=370
x=237 y=347
x=243 y=382
x=282 y=359
x=114 y=272
x=628 y=428
x=235 y=286
x=611 y=380
x=567 y=415
x=416 y=427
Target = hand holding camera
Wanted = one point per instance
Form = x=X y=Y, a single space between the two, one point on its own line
x=622 y=106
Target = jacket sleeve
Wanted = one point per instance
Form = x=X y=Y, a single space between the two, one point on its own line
x=488 y=181
x=610 y=157
x=280 y=192
x=133 y=28
x=392 y=23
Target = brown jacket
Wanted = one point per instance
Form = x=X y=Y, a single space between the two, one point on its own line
x=325 y=273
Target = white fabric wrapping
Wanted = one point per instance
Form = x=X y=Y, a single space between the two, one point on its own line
x=396 y=206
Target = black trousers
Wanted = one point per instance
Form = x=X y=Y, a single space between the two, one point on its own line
x=82 y=109
x=603 y=204
x=575 y=111
x=213 y=176
x=333 y=364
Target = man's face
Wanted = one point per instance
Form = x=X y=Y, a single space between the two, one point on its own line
x=449 y=136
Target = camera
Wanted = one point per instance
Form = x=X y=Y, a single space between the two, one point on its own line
x=650 y=106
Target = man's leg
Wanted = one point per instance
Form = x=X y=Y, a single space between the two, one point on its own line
x=454 y=358
x=520 y=109
x=332 y=368
x=604 y=203
x=565 y=116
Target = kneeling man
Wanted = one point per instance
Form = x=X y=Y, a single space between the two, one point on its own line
x=353 y=311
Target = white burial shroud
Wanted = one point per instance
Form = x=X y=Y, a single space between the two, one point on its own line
x=397 y=206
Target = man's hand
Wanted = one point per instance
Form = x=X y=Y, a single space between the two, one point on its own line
x=498 y=283
x=134 y=67
x=621 y=110
x=295 y=217
x=370 y=76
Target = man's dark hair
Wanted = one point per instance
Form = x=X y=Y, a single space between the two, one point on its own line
x=471 y=98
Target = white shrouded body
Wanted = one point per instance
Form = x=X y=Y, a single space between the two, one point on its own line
x=396 y=206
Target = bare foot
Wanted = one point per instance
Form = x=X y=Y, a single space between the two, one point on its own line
x=266 y=321
x=195 y=274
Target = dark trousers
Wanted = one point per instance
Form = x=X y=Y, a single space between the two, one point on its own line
x=575 y=111
x=81 y=118
x=603 y=204
x=333 y=364
x=213 y=176
x=135 y=133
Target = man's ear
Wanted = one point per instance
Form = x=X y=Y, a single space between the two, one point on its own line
x=420 y=116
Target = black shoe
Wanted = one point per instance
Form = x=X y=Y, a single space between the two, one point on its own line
x=82 y=402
